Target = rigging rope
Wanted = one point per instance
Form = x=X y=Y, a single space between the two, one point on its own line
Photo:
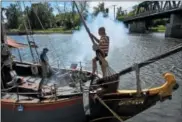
x=105 y=105
x=54 y=54
x=6 y=90
x=61 y=48
x=19 y=4
x=61 y=13
x=57 y=56
x=23 y=93
x=31 y=31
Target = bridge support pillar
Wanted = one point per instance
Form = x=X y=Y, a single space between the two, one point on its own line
x=174 y=28
x=137 y=27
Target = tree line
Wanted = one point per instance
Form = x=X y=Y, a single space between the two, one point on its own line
x=40 y=15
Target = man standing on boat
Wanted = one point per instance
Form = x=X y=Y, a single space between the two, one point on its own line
x=44 y=63
x=102 y=50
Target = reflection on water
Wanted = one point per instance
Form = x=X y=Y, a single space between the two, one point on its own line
x=140 y=47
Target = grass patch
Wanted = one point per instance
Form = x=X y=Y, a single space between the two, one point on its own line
x=13 y=30
x=159 y=28
x=53 y=30
x=49 y=30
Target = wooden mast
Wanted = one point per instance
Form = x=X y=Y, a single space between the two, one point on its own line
x=87 y=29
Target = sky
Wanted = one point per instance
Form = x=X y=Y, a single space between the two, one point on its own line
x=125 y=5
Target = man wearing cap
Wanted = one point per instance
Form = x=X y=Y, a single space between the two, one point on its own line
x=44 y=63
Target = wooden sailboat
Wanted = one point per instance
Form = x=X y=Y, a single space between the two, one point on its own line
x=22 y=102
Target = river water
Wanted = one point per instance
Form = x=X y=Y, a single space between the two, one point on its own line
x=139 y=48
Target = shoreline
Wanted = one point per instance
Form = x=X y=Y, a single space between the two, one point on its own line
x=37 y=32
x=64 y=32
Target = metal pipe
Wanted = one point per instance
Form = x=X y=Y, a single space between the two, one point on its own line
x=17 y=91
x=2 y=83
x=138 y=83
x=55 y=91
x=19 y=55
x=81 y=84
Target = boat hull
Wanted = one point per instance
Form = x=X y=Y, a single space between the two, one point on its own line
x=124 y=106
x=68 y=111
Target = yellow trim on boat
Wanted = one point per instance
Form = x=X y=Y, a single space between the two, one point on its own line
x=164 y=90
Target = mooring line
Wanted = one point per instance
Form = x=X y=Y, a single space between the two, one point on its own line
x=104 y=104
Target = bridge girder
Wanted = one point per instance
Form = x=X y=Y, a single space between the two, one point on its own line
x=148 y=6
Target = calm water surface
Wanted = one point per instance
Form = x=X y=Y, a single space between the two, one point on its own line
x=140 y=47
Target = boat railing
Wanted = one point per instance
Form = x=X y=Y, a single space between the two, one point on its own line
x=137 y=73
x=115 y=79
x=53 y=88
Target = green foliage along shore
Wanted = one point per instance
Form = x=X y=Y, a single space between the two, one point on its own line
x=39 y=17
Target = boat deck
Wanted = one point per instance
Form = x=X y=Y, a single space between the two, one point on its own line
x=65 y=86
x=62 y=87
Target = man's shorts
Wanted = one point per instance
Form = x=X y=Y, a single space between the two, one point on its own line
x=98 y=52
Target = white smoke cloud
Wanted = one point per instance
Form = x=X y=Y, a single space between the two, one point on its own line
x=114 y=29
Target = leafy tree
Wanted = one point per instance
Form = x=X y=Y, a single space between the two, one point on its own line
x=77 y=20
x=120 y=12
x=71 y=19
x=13 y=13
x=23 y=20
x=157 y=22
x=99 y=8
x=41 y=12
